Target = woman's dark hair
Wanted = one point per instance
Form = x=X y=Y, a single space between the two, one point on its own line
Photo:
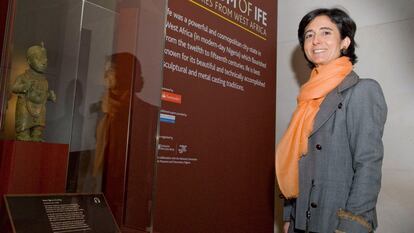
x=345 y=24
x=127 y=69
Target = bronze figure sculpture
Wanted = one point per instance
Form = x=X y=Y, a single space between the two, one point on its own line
x=32 y=90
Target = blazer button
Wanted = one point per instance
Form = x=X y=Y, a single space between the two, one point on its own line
x=318 y=147
x=340 y=105
x=314 y=205
x=308 y=214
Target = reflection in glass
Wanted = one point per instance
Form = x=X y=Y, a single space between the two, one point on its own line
x=115 y=107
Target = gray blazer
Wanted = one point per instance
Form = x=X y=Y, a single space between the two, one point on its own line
x=340 y=177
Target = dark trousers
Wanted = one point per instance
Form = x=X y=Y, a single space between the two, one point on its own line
x=292 y=228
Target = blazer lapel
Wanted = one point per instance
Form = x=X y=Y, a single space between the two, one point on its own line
x=332 y=100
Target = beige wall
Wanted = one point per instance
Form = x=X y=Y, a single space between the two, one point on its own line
x=385 y=37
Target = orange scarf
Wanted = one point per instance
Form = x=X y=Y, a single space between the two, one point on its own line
x=294 y=142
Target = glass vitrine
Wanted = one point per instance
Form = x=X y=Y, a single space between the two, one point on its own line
x=104 y=63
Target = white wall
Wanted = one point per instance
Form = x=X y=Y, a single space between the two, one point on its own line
x=385 y=36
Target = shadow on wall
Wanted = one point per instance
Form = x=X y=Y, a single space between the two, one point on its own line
x=300 y=66
x=301 y=71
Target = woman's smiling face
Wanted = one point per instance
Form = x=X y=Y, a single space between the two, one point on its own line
x=323 y=41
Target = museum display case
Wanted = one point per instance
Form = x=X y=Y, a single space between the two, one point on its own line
x=104 y=64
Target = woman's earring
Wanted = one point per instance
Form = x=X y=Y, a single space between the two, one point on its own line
x=343 y=51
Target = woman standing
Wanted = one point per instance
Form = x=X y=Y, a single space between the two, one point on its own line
x=328 y=162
